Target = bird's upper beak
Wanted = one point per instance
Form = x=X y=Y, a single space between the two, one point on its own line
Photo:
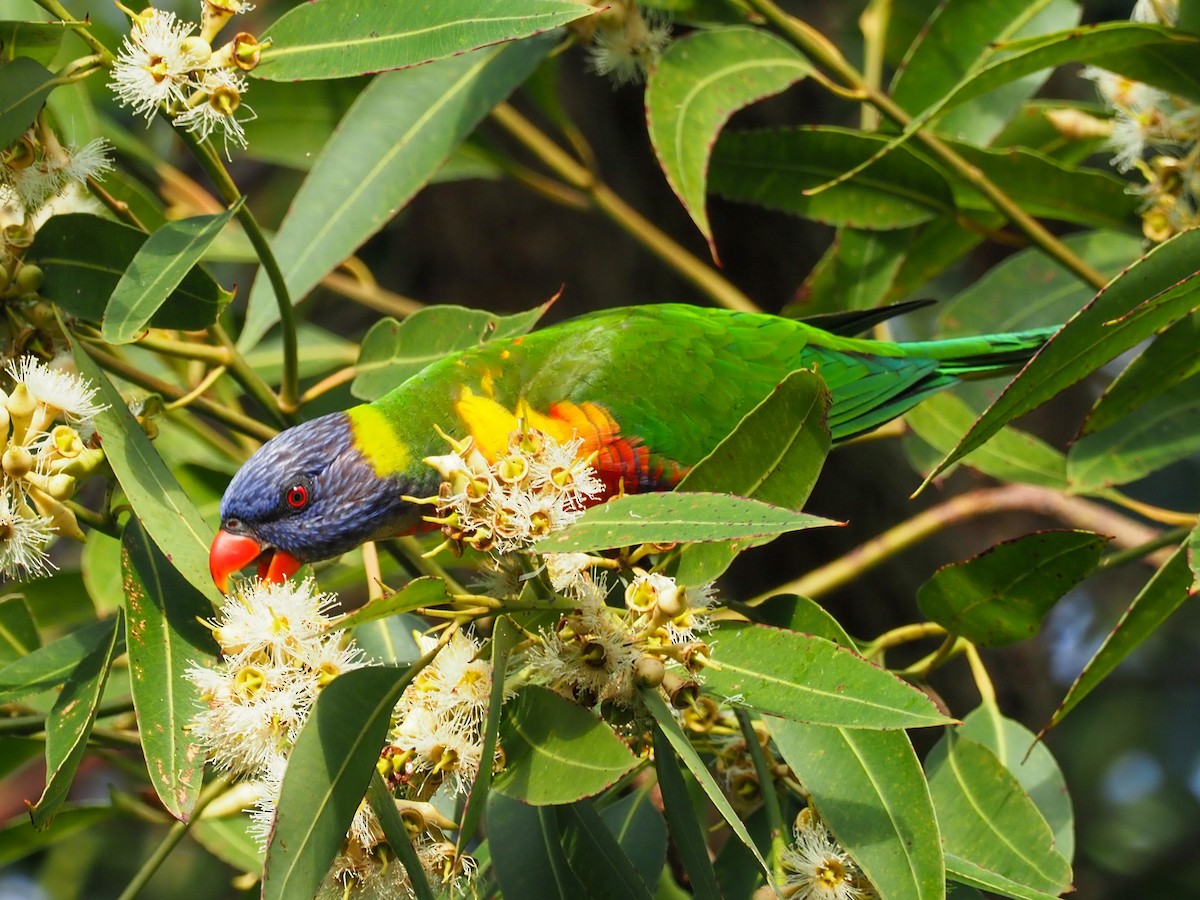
x=230 y=553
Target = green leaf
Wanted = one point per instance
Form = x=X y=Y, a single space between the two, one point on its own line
x=70 y=722
x=690 y=841
x=527 y=852
x=1159 y=432
x=18 y=632
x=230 y=839
x=505 y=636
x=392 y=141
x=596 y=856
x=657 y=707
x=774 y=454
x=1032 y=764
x=870 y=791
x=1157 y=290
x=774 y=168
x=1193 y=557
x=639 y=829
x=556 y=751
x=334 y=40
x=428 y=590
x=390 y=641
x=165 y=638
x=1049 y=189
x=995 y=837
x=159 y=267
x=84 y=258
x=162 y=506
x=811 y=679
x=24 y=86
x=700 y=81
x=394 y=351
x=1162 y=595
x=960 y=38
x=1169 y=360
x=383 y=803
x=328 y=771
x=295 y=119
x=1001 y=596
x=1010 y=454
x=667 y=517
x=855 y=272
x=20 y=839
x=986 y=306
x=38 y=41
x=51 y=665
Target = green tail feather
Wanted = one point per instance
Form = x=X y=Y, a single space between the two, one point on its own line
x=984 y=354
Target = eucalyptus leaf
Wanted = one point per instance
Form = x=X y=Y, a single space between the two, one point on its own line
x=158 y=268
x=394 y=351
x=85 y=257
x=24 y=85
x=556 y=751
x=333 y=40
x=689 y=836
x=1002 y=595
x=70 y=723
x=164 y=639
x=18 y=632
x=428 y=590
x=1171 y=585
x=811 y=679
x=699 y=82
x=598 y=858
x=391 y=142
x=19 y=838
x=52 y=664
x=38 y=41
x=774 y=168
x=527 y=852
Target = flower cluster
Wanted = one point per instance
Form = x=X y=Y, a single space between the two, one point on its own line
x=816 y=867
x=601 y=654
x=537 y=486
x=1152 y=122
x=163 y=66
x=44 y=458
x=625 y=40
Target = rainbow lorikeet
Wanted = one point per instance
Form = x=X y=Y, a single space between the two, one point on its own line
x=650 y=389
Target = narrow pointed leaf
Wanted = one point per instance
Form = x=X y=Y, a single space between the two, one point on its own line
x=230 y=840
x=1002 y=595
x=158 y=268
x=700 y=81
x=38 y=41
x=1032 y=764
x=855 y=273
x=1159 y=289
x=160 y=503
x=505 y=636
x=20 y=839
x=555 y=751
x=1159 y=432
x=383 y=802
x=994 y=835
x=527 y=852
x=24 y=86
x=687 y=832
x=51 y=665
x=774 y=168
x=639 y=829
x=869 y=789
x=70 y=722
x=775 y=455
x=392 y=141
x=85 y=257
x=812 y=679
x=394 y=351
x=328 y=771
x=668 y=517
x=1169 y=360
x=674 y=735
x=335 y=40
x=596 y=856
x=428 y=590
x=1162 y=595
x=165 y=639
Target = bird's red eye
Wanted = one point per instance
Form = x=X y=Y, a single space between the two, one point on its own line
x=297 y=496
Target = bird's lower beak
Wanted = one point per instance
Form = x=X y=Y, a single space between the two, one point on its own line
x=231 y=553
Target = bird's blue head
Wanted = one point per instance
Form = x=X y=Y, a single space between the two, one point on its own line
x=309 y=493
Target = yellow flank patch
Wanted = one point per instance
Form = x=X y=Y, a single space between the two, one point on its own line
x=376 y=440
x=490 y=424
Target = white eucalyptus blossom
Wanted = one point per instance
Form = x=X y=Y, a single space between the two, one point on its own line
x=155 y=64
x=817 y=867
x=23 y=538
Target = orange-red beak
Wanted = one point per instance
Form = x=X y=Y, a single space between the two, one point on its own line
x=231 y=553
